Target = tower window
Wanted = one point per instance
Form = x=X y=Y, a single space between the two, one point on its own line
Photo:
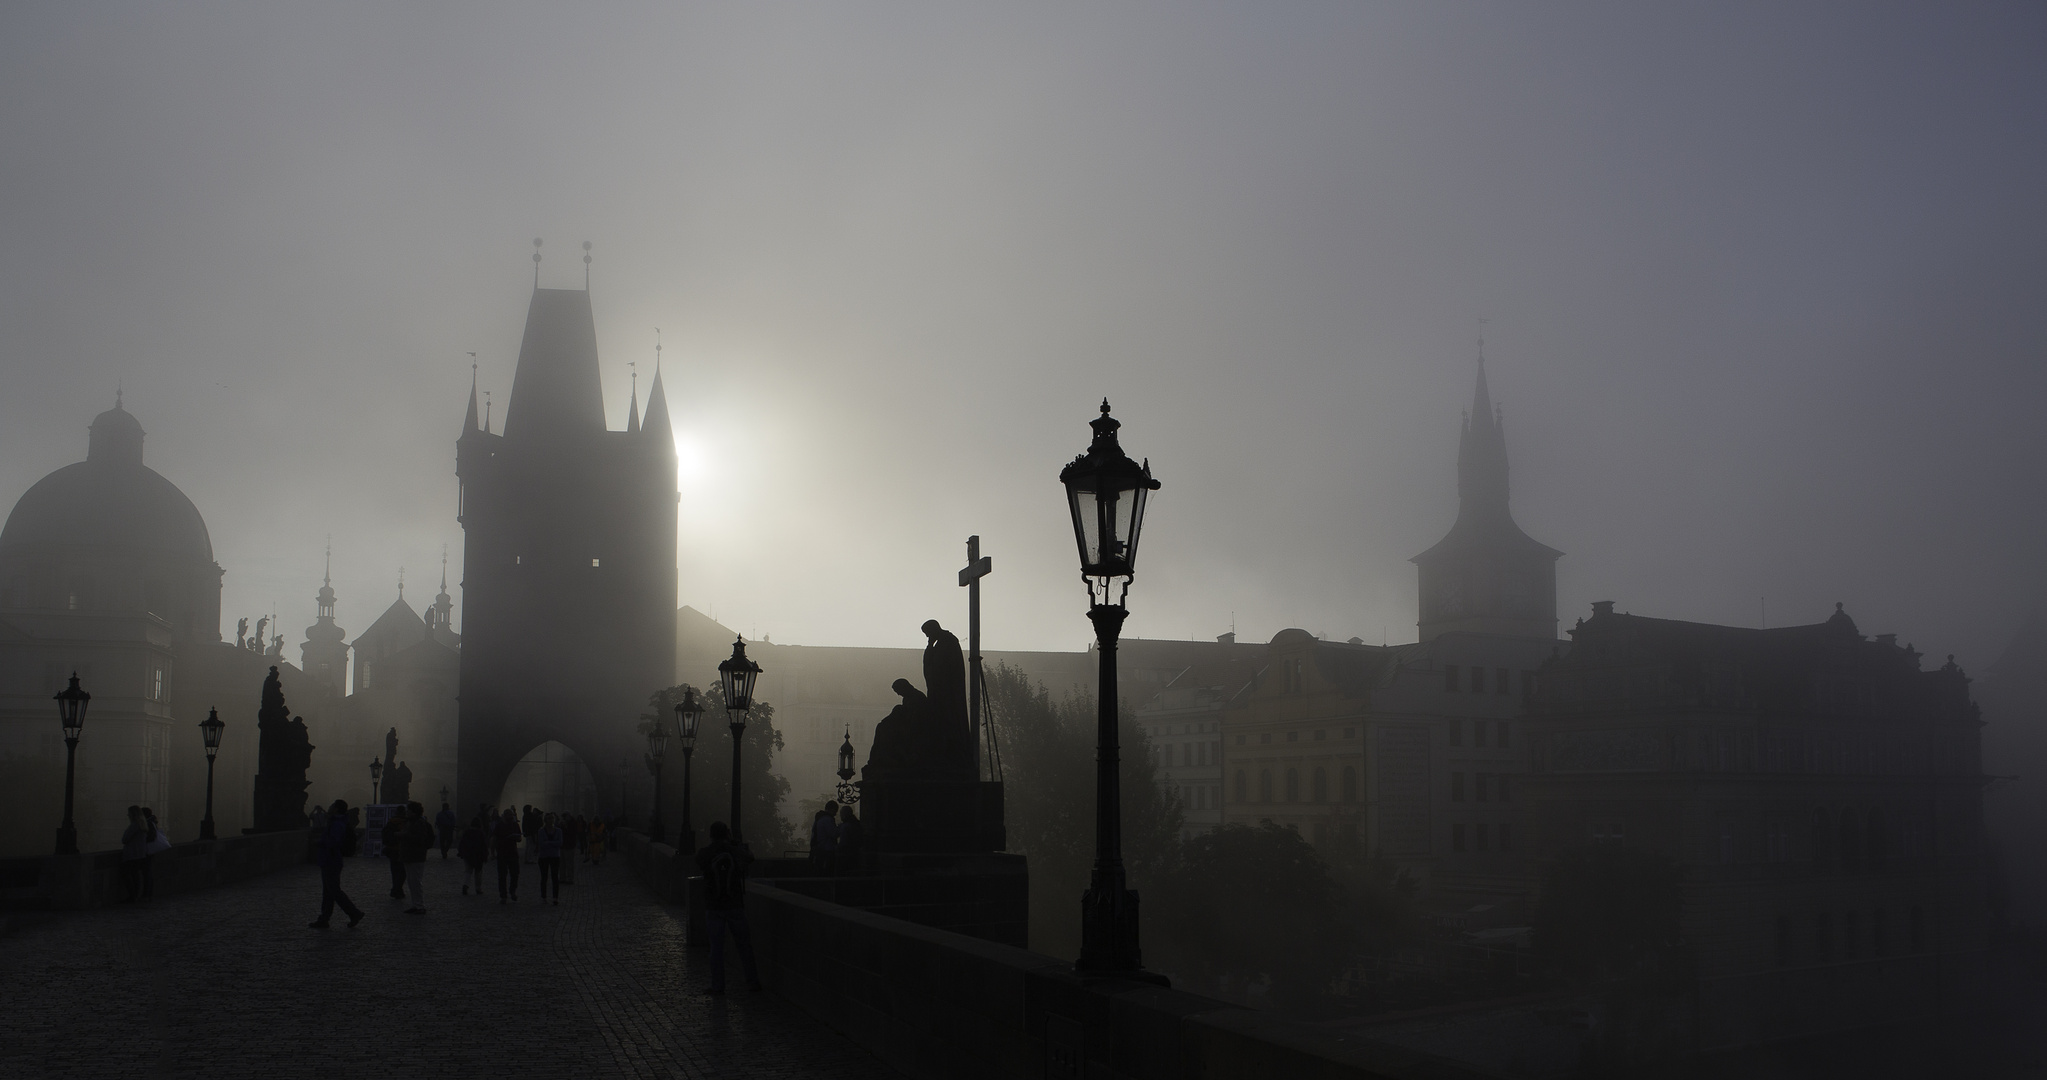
x=593 y=564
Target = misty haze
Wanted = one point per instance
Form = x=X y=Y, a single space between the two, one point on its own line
x=545 y=543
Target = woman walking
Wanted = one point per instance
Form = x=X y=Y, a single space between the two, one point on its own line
x=549 y=841
x=599 y=836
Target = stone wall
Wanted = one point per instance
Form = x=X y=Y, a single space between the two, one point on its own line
x=72 y=882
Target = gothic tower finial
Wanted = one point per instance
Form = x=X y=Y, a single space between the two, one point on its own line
x=586 y=266
x=536 y=262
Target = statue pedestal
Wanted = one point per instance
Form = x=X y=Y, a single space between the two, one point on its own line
x=931 y=816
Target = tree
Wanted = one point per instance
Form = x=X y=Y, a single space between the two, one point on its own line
x=761 y=791
x=1247 y=903
x=1048 y=761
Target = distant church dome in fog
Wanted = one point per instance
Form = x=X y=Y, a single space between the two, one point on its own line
x=110 y=533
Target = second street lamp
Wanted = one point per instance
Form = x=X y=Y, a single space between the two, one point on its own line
x=657 y=749
x=1106 y=493
x=688 y=714
x=849 y=792
x=71 y=703
x=210 y=729
x=737 y=674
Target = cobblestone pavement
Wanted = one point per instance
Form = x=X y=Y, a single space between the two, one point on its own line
x=229 y=983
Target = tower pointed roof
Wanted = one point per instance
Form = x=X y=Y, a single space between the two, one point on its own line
x=469 y=422
x=632 y=416
x=1483 y=516
x=557 y=394
x=657 y=410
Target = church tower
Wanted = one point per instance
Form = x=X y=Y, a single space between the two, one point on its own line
x=1487 y=576
x=568 y=569
x=323 y=656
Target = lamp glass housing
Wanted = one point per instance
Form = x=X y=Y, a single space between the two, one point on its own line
x=846 y=756
x=1106 y=493
x=71 y=704
x=688 y=714
x=210 y=729
x=377 y=769
x=738 y=674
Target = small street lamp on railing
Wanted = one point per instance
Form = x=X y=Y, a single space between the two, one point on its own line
x=688 y=714
x=657 y=750
x=849 y=792
x=376 y=776
x=1106 y=493
x=71 y=703
x=737 y=674
x=209 y=730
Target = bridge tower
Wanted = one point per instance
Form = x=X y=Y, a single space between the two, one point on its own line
x=568 y=568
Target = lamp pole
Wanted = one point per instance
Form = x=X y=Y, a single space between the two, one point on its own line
x=376 y=775
x=1106 y=493
x=738 y=674
x=688 y=714
x=71 y=703
x=657 y=750
x=210 y=729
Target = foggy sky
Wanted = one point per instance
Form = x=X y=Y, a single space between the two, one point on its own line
x=1762 y=286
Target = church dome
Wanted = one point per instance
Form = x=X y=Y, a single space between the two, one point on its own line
x=111 y=500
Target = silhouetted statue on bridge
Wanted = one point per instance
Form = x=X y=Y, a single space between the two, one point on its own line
x=398 y=784
x=920 y=790
x=284 y=751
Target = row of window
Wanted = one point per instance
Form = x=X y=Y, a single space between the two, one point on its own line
x=1191 y=754
x=1500 y=732
x=1825 y=934
x=1320 y=734
x=1489 y=787
x=1482 y=835
x=1318 y=789
x=1473 y=679
x=1199 y=796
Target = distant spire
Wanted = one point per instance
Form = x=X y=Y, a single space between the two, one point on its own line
x=1482 y=455
x=632 y=419
x=327 y=571
x=469 y=421
x=444 y=568
x=536 y=262
x=586 y=266
x=486 y=412
x=656 y=425
x=117 y=393
x=401 y=583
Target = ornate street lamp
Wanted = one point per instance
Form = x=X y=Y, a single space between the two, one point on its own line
x=376 y=774
x=688 y=714
x=1106 y=493
x=849 y=792
x=737 y=674
x=71 y=702
x=657 y=749
x=210 y=729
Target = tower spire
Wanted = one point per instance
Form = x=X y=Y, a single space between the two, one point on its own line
x=586 y=266
x=536 y=262
x=469 y=421
x=632 y=419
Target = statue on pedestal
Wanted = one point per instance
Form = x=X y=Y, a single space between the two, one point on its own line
x=284 y=751
x=920 y=787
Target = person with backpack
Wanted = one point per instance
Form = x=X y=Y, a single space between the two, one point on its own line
x=474 y=851
x=335 y=844
x=723 y=863
x=594 y=846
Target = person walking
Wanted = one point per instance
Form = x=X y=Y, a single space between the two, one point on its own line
x=549 y=841
x=444 y=824
x=418 y=840
x=529 y=825
x=824 y=839
x=572 y=843
x=134 y=855
x=392 y=836
x=849 y=841
x=595 y=844
x=723 y=864
x=336 y=842
x=506 y=838
x=474 y=851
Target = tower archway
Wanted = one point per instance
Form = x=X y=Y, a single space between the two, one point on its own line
x=552 y=777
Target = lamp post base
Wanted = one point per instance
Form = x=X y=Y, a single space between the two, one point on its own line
x=67 y=840
x=206 y=830
x=1108 y=936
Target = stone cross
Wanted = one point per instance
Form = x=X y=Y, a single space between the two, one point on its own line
x=978 y=566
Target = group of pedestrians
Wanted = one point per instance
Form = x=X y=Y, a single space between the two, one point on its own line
x=834 y=840
x=554 y=842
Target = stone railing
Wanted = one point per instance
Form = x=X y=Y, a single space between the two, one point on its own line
x=938 y=1004
x=93 y=879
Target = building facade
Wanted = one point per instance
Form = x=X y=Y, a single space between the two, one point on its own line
x=1820 y=791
